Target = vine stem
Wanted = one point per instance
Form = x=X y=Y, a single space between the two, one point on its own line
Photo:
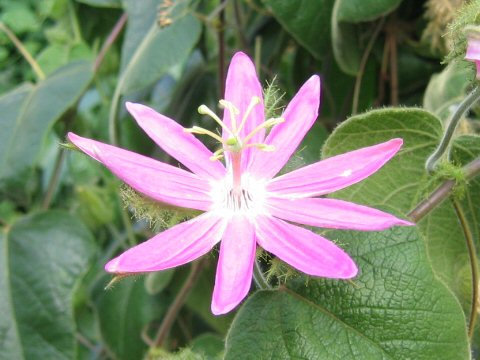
x=473 y=264
x=470 y=170
x=116 y=30
x=466 y=104
x=174 y=309
x=258 y=277
x=363 y=64
x=28 y=57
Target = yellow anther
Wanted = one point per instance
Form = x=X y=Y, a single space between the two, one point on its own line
x=205 y=110
x=202 y=131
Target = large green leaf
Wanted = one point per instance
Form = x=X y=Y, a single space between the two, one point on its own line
x=354 y=11
x=395 y=309
x=308 y=22
x=396 y=185
x=41 y=259
x=29 y=112
x=403 y=182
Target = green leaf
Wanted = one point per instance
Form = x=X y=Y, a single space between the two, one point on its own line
x=41 y=260
x=307 y=21
x=448 y=88
x=345 y=43
x=29 y=113
x=402 y=182
x=141 y=17
x=102 y=3
x=355 y=11
x=124 y=311
x=395 y=309
x=161 y=49
x=396 y=185
x=155 y=282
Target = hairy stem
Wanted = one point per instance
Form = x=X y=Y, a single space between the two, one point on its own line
x=28 y=57
x=473 y=264
x=470 y=170
x=173 y=310
x=452 y=125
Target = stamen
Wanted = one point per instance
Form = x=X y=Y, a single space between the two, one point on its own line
x=233 y=113
x=263 y=147
x=254 y=102
x=205 y=110
x=217 y=155
x=265 y=125
x=202 y=131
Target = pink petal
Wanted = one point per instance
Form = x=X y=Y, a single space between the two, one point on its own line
x=303 y=249
x=473 y=49
x=332 y=213
x=299 y=116
x=176 y=246
x=235 y=265
x=172 y=138
x=334 y=173
x=159 y=181
x=241 y=86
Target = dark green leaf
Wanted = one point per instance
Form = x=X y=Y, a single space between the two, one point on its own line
x=41 y=259
x=395 y=309
x=124 y=311
x=308 y=22
x=345 y=43
x=354 y=11
x=102 y=3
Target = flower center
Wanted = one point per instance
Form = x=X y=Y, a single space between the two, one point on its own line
x=247 y=200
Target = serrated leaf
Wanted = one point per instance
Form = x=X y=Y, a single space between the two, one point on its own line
x=395 y=309
x=41 y=259
x=354 y=11
x=29 y=112
x=307 y=21
x=402 y=182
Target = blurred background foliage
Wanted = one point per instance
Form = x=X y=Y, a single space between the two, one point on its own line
x=70 y=65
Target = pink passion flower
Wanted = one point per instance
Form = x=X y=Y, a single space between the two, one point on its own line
x=243 y=204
